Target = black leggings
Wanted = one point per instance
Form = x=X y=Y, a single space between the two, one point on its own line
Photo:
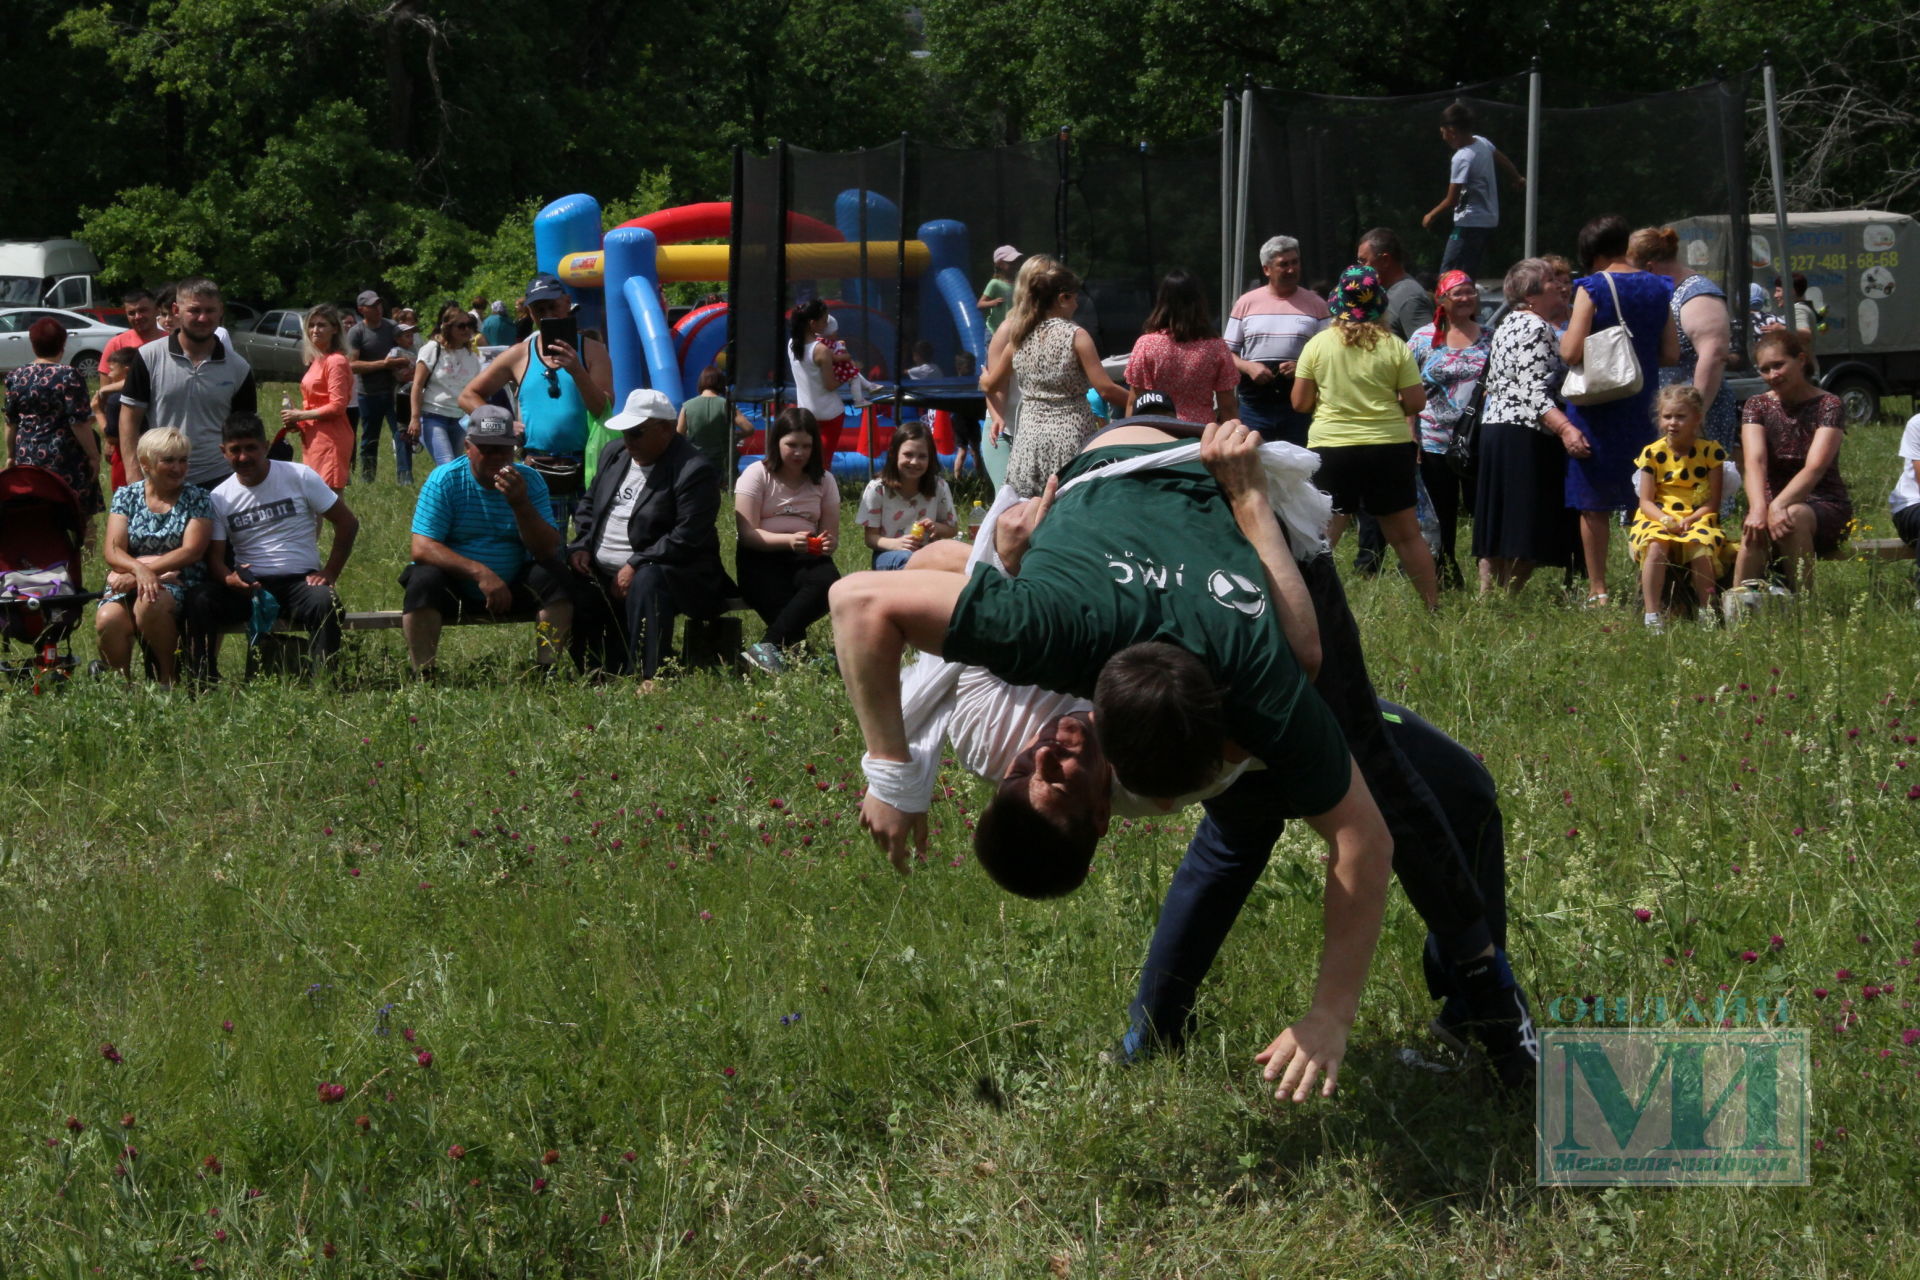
x=1451 y=494
x=788 y=589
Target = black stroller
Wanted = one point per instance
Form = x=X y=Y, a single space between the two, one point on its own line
x=41 y=563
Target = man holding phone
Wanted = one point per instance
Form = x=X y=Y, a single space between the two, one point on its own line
x=563 y=383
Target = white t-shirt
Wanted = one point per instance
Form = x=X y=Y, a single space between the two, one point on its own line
x=270 y=526
x=615 y=547
x=810 y=389
x=452 y=369
x=1906 y=491
x=1472 y=170
x=893 y=515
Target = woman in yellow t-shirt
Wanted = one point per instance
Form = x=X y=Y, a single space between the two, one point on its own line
x=1362 y=387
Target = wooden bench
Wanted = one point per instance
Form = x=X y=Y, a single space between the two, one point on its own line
x=1880 y=549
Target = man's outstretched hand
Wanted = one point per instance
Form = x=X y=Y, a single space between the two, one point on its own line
x=1313 y=1046
x=892 y=828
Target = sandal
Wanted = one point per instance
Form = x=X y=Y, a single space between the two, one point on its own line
x=1598 y=600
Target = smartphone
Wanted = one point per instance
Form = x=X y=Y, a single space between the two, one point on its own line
x=560 y=329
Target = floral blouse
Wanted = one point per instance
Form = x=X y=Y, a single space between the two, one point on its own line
x=1450 y=375
x=1524 y=372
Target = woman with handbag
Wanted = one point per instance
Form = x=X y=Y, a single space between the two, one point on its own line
x=1452 y=355
x=1611 y=381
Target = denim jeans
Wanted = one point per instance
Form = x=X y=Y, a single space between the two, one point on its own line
x=374 y=410
x=444 y=437
x=891 y=559
x=1466 y=247
x=1276 y=419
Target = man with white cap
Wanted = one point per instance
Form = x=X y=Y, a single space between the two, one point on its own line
x=999 y=291
x=647 y=547
x=376 y=354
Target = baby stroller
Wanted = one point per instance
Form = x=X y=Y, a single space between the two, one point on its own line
x=41 y=593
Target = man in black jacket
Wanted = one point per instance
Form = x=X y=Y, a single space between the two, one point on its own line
x=647 y=548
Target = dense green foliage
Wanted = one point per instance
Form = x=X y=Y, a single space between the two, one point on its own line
x=645 y=935
x=303 y=150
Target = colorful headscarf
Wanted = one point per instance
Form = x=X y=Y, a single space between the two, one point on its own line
x=1448 y=283
x=1358 y=298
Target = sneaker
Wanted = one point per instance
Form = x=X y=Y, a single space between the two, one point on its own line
x=1489 y=1018
x=764 y=657
x=1656 y=623
x=1134 y=1049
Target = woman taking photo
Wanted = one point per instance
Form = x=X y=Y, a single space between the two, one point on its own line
x=1053 y=361
x=50 y=422
x=1180 y=355
x=816 y=385
x=1798 y=507
x=1703 y=329
x=1600 y=485
x=787 y=512
x=447 y=362
x=156 y=547
x=1452 y=356
x=1361 y=385
x=326 y=392
x=1520 y=516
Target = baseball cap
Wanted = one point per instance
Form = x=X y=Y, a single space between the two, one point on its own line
x=1006 y=253
x=1153 y=402
x=367 y=298
x=490 y=425
x=544 y=287
x=644 y=405
x=497 y=308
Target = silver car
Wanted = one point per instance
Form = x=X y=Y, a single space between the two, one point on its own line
x=271 y=344
x=86 y=337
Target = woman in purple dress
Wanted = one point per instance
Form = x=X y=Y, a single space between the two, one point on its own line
x=1601 y=483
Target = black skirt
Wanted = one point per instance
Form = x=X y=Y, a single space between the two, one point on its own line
x=1520 y=511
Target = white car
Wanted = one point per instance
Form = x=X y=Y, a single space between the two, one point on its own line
x=86 y=337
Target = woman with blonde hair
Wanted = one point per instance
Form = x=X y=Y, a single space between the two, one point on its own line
x=1055 y=364
x=326 y=390
x=1003 y=406
x=1704 y=330
x=1361 y=385
x=157 y=534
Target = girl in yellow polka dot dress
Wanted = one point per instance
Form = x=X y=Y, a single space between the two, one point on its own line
x=1679 y=517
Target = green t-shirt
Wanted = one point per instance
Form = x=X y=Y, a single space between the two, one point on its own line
x=1154 y=555
x=710 y=430
x=1359 y=390
x=1001 y=291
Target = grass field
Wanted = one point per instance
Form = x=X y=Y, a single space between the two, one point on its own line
x=492 y=978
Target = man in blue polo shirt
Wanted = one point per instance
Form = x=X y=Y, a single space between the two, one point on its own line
x=484 y=539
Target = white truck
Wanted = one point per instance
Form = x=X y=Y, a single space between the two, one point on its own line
x=53 y=273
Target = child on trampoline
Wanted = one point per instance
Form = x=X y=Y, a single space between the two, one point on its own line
x=1678 y=523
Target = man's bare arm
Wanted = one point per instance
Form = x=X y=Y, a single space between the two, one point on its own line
x=1231 y=453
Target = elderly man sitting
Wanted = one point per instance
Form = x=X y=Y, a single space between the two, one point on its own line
x=647 y=547
x=484 y=539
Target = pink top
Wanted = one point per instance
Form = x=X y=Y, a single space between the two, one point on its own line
x=1190 y=372
x=784 y=508
x=327 y=385
x=125 y=338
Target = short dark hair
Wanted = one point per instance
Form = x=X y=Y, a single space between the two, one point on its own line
x=1604 y=237
x=1180 y=309
x=795 y=421
x=243 y=426
x=1161 y=720
x=1028 y=854
x=1385 y=240
x=195 y=287
x=123 y=355
x=1799 y=284
x=47 y=336
x=132 y=296
x=1457 y=115
x=711 y=379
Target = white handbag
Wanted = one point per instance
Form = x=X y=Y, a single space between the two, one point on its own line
x=1608 y=368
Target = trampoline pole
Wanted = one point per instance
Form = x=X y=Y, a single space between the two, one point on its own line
x=1533 y=159
x=1240 y=194
x=1783 y=261
x=1226 y=202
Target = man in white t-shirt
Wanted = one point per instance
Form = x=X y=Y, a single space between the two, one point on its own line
x=266 y=539
x=1473 y=191
x=647 y=547
x=1905 y=500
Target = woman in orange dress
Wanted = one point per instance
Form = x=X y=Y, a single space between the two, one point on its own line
x=326 y=389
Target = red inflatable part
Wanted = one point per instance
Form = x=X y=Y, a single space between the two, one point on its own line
x=940 y=422
x=713 y=220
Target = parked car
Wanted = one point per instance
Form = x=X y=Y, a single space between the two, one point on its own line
x=86 y=337
x=271 y=344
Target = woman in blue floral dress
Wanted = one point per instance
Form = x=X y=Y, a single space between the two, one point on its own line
x=49 y=422
x=1452 y=355
x=156 y=547
x=1601 y=483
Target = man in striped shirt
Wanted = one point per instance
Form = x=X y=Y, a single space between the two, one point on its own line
x=1266 y=330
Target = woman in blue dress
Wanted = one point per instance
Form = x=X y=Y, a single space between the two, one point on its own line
x=1602 y=483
